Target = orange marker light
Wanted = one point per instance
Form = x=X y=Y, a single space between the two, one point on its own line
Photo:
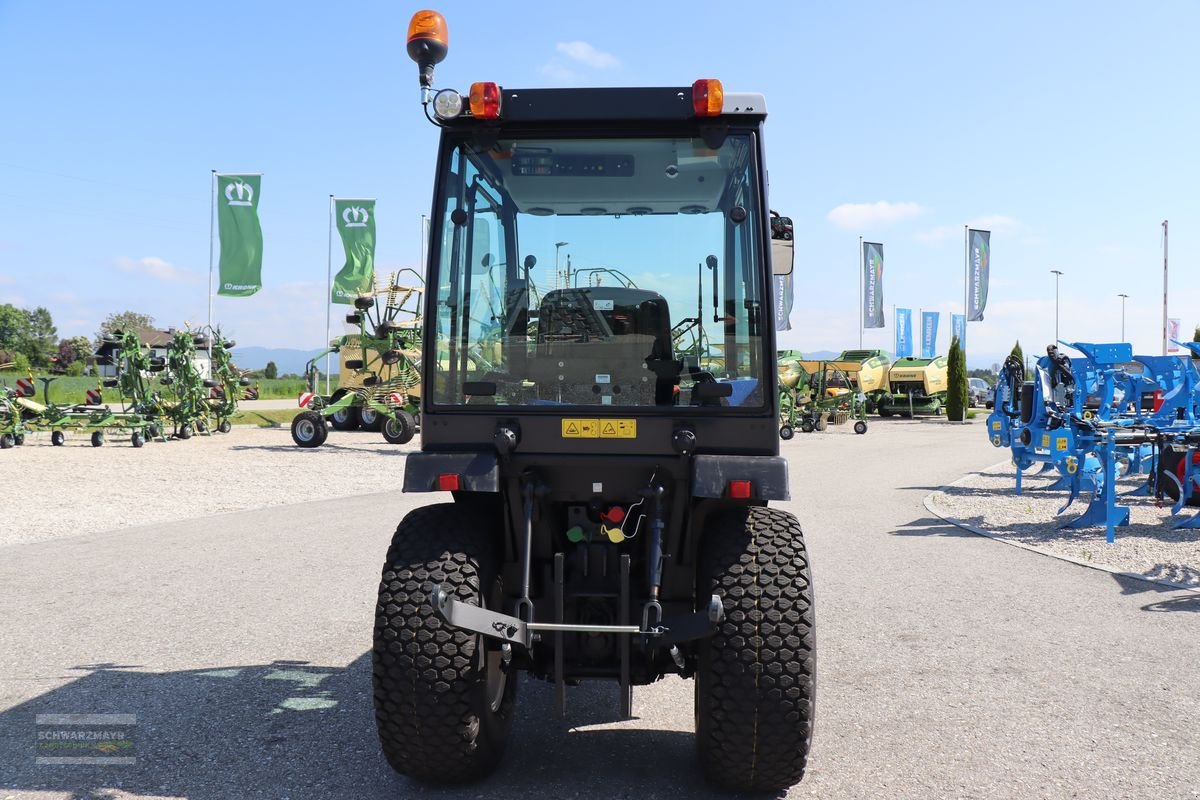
x=708 y=97
x=485 y=101
x=428 y=25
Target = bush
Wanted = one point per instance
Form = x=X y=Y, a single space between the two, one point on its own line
x=956 y=397
x=21 y=363
x=75 y=369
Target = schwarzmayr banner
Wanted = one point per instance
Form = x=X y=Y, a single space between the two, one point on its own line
x=783 y=302
x=929 y=326
x=872 y=285
x=240 y=267
x=958 y=328
x=979 y=258
x=904 y=340
x=355 y=221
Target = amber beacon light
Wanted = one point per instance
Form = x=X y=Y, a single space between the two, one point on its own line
x=428 y=43
x=707 y=97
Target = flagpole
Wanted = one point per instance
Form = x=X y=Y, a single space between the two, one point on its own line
x=1166 y=322
x=213 y=216
x=328 y=289
x=860 y=293
x=966 y=294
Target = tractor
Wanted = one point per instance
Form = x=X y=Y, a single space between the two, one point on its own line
x=604 y=498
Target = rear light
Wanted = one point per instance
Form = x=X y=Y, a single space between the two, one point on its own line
x=485 y=101
x=708 y=97
x=448 y=483
x=740 y=490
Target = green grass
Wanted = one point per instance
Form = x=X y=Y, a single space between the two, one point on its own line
x=273 y=418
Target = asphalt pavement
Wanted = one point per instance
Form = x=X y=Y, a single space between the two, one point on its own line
x=949 y=665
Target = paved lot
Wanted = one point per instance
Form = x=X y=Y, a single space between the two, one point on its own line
x=949 y=665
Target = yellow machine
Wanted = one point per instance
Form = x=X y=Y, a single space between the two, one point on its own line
x=915 y=386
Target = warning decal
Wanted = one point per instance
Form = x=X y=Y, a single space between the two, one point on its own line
x=599 y=428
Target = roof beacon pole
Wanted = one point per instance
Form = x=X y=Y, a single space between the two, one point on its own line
x=212 y=221
x=860 y=292
x=1165 y=322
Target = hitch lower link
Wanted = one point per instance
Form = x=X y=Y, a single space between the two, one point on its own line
x=513 y=630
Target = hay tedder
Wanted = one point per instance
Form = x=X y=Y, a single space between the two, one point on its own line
x=228 y=382
x=814 y=394
x=380 y=381
x=92 y=417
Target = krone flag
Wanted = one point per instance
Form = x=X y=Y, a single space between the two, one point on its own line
x=241 y=236
x=872 y=298
x=355 y=221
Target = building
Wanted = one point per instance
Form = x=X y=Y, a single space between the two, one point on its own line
x=158 y=342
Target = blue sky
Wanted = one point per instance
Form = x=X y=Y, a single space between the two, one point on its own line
x=1068 y=129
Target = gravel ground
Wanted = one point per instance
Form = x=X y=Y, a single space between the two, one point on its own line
x=1148 y=547
x=55 y=492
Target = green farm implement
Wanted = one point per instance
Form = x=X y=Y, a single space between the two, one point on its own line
x=380 y=381
x=91 y=418
x=814 y=394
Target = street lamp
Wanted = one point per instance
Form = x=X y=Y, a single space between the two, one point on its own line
x=1123 y=297
x=558 y=246
x=1057 y=274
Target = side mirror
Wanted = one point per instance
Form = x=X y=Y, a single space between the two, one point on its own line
x=782 y=256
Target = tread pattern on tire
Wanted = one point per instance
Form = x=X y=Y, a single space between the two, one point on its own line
x=755 y=686
x=426 y=675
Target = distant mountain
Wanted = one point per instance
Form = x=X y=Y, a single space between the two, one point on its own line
x=288 y=361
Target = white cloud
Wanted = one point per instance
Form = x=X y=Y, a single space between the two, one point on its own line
x=154 y=267
x=996 y=223
x=585 y=53
x=856 y=216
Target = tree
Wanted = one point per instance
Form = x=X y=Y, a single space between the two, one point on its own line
x=77 y=348
x=956 y=397
x=42 y=337
x=14 y=323
x=1016 y=351
x=270 y=371
x=1196 y=335
x=125 y=320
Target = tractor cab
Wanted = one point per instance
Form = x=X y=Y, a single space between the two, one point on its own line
x=599 y=414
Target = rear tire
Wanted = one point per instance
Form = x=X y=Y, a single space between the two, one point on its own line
x=806 y=425
x=756 y=677
x=58 y=438
x=97 y=438
x=370 y=419
x=136 y=439
x=7 y=441
x=786 y=432
x=345 y=419
x=185 y=431
x=308 y=429
x=19 y=439
x=399 y=429
x=860 y=427
x=443 y=700
x=225 y=427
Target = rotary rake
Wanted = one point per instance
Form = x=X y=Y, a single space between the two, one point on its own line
x=381 y=387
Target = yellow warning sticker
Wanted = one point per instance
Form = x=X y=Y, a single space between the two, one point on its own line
x=1045 y=440
x=1060 y=443
x=599 y=428
x=996 y=425
x=618 y=429
x=580 y=428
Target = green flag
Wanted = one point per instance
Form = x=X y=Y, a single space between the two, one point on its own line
x=241 y=235
x=355 y=221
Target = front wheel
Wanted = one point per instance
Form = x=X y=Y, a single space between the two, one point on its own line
x=308 y=429
x=786 y=432
x=399 y=429
x=756 y=678
x=443 y=696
